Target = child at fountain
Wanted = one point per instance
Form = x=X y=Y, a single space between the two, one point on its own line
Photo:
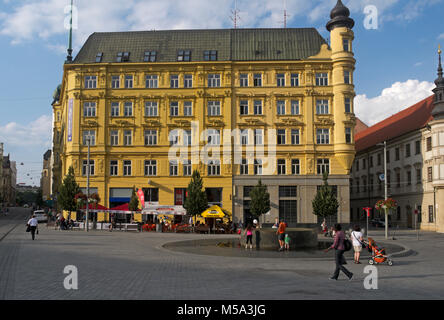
x=287 y=242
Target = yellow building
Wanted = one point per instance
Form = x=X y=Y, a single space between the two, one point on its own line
x=128 y=92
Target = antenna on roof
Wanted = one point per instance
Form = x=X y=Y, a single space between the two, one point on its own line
x=286 y=15
x=235 y=17
x=69 y=57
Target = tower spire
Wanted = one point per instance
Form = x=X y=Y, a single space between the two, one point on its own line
x=438 y=109
x=69 y=57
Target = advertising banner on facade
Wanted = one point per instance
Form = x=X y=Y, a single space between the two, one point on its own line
x=70 y=116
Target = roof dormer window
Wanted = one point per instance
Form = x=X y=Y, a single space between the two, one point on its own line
x=210 y=55
x=184 y=55
x=123 y=57
x=99 y=57
x=150 y=56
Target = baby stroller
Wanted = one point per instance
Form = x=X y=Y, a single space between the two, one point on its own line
x=378 y=254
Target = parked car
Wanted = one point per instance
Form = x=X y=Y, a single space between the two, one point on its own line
x=379 y=223
x=41 y=216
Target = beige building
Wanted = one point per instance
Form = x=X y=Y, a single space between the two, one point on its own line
x=46 y=179
x=415 y=165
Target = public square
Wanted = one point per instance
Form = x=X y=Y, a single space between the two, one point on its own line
x=132 y=266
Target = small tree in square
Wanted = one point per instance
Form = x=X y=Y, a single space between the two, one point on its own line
x=260 y=200
x=325 y=204
x=68 y=191
x=134 y=202
x=196 y=200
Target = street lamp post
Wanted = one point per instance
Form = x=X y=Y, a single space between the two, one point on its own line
x=88 y=168
x=385 y=188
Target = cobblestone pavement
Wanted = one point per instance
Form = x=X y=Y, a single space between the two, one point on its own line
x=118 y=265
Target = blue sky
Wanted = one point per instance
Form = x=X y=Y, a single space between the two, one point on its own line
x=396 y=64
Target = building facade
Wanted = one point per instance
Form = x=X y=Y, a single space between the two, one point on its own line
x=415 y=165
x=46 y=178
x=237 y=105
x=9 y=184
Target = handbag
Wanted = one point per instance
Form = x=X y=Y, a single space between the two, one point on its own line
x=28 y=229
x=362 y=243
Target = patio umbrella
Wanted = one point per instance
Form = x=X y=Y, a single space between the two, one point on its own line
x=213 y=212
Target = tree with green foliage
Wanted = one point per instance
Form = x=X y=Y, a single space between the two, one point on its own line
x=196 y=201
x=260 y=200
x=68 y=191
x=39 y=198
x=325 y=204
x=134 y=202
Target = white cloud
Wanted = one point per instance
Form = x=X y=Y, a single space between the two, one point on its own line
x=399 y=96
x=34 y=134
x=441 y=36
x=44 y=19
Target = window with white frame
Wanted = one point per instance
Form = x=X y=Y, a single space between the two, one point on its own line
x=243 y=105
x=114 y=168
x=294 y=79
x=244 y=137
x=214 y=80
x=127 y=138
x=323 y=136
x=89 y=109
x=91 y=167
x=90 y=82
x=257 y=80
x=323 y=166
x=322 y=106
x=347 y=77
x=150 y=168
x=347 y=102
x=243 y=79
x=214 y=137
x=114 y=137
x=187 y=138
x=128 y=109
x=257 y=107
x=174 y=168
x=295 y=136
x=174 y=108
x=348 y=135
x=244 y=167
x=295 y=108
x=174 y=81
x=115 y=82
x=151 y=109
x=151 y=81
x=150 y=137
x=127 y=168
x=188 y=108
x=214 y=168
x=281 y=166
x=129 y=81
x=258 y=136
x=322 y=79
x=188 y=81
x=295 y=166
x=187 y=167
x=280 y=107
x=280 y=79
x=258 y=167
x=281 y=136
x=214 y=108
x=173 y=137
x=89 y=135
x=115 y=109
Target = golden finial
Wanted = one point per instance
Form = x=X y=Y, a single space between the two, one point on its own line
x=439 y=49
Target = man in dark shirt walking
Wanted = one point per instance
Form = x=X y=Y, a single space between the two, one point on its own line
x=338 y=245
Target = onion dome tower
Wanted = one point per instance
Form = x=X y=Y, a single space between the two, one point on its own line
x=340 y=17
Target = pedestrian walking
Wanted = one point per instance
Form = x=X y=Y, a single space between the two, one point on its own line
x=33 y=225
x=249 y=234
x=339 y=247
x=281 y=235
x=358 y=242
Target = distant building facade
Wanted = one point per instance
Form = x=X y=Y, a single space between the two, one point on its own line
x=46 y=179
x=415 y=165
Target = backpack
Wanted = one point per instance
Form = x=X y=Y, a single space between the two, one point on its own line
x=347 y=245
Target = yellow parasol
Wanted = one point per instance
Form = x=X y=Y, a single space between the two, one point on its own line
x=213 y=212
